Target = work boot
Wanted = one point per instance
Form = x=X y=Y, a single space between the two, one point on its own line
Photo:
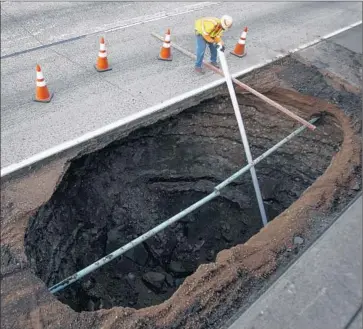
x=215 y=64
x=199 y=70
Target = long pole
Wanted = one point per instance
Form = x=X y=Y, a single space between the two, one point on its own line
x=103 y=261
x=243 y=86
x=242 y=131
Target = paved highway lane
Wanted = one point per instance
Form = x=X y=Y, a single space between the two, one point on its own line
x=27 y=26
x=86 y=100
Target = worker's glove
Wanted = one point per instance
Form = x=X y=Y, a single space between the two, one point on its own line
x=220 y=47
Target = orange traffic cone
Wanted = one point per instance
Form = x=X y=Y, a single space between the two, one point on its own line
x=41 y=93
x=102 y=62
x=239 y=49
x=165 y=52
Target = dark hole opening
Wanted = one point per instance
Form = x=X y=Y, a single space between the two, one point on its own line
x=114 y=195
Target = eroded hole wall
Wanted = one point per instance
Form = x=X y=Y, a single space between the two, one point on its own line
x=110 y=197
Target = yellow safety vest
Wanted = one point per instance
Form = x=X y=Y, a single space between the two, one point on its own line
x=209 y=26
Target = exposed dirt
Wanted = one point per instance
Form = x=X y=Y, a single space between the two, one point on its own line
x=112 y=196
x=215 y=290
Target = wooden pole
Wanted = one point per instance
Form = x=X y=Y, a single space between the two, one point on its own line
x=244 y=86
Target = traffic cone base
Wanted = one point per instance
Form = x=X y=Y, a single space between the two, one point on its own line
x=170 y=58
x=46 y=100
x=102 y=70
x=243 y=55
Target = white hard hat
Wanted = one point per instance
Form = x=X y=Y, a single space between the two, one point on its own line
x=226 y=21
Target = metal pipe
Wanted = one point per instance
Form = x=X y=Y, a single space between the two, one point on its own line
x=66 y=282
x=242 y=131
x=243 y=86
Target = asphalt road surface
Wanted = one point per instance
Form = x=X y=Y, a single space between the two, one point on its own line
x=63 y=37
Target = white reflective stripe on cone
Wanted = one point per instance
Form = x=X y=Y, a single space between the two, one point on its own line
x=40 y=83
x=102 y=46
x=166 y=45
x=244 y=34
x=167 y=37
x=40 y=75
x=242 y=42
x=102 y=55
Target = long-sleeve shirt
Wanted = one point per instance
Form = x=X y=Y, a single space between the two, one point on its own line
x=210 y=28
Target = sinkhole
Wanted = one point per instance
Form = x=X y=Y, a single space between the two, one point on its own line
x=109 y=197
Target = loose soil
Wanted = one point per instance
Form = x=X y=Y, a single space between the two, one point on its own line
x=157 y=171
x=109 y=197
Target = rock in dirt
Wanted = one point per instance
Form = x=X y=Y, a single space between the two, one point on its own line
x=7 y=257
x=356 y=187
x=131 y=276
x=131 y=282
x=169 y=280
x=155 y=280
x=89 y=284
x=138 y=255
x=269 y=188
x=225 y=227
x=227 y=236
x=298 y=240
x=179 y=269
x=91 y=305
x=210 y=255
x=105 y=304
x=179 y=282
x=198 y=246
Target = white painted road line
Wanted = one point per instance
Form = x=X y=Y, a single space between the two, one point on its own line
x=85 y=101
x=163 y=14
x=154 y=109
x=131 y=22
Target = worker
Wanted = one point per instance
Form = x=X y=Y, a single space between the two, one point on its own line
x=209 y=30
